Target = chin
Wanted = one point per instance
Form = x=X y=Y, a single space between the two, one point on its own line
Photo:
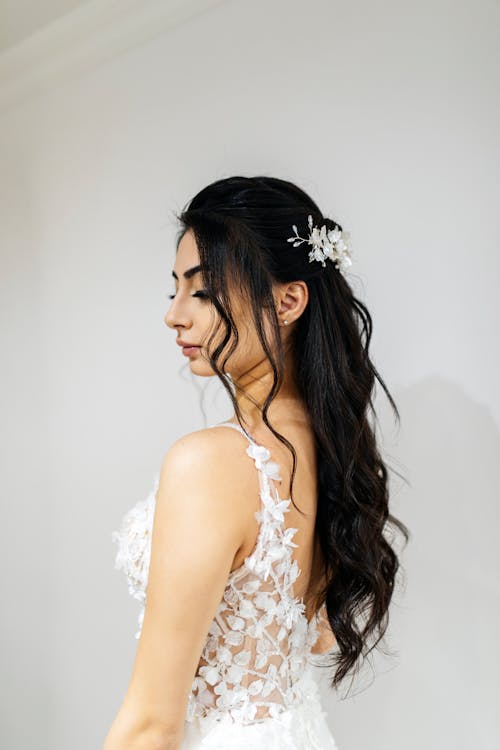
x=202 y=369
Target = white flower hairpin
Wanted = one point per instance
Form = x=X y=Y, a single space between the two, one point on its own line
x=326 y=243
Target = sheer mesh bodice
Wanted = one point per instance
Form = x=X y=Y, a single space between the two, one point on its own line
x=254 y=662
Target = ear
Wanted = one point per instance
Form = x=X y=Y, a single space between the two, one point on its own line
x=291 y=299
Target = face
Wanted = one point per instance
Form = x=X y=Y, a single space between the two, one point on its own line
x=194 y=317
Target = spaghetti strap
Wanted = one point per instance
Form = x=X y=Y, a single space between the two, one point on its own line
x=267 y=468
x=239 y=428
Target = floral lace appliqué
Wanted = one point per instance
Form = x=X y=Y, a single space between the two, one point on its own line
x=134 y=547
x=255 y=661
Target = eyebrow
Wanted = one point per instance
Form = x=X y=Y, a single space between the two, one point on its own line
x=189 y=273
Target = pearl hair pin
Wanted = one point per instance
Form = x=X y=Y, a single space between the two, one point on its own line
x=326 y=243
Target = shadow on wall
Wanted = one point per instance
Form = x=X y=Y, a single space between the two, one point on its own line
x=445 y=615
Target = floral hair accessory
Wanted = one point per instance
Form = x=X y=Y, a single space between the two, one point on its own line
x=326 y=243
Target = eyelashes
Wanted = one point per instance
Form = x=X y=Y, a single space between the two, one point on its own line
x=201 y=294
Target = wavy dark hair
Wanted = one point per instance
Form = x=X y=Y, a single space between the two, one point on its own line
x=241 y=226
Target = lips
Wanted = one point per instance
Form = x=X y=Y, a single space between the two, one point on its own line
x=189 y=351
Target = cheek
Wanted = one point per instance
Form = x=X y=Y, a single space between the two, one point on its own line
x=249 y=350
x=210 y=332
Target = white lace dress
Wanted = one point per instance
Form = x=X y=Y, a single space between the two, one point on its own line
x=254 y=686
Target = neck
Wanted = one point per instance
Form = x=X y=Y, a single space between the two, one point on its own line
x=252 y=388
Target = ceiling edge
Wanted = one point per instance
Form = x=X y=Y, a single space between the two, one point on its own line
x=85 y=37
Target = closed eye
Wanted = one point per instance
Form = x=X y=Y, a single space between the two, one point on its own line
x=200 y=293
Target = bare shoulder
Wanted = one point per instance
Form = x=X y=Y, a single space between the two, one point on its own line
x=207 y=451
x=214 y=461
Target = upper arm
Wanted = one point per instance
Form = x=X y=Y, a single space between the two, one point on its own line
x=198 y=528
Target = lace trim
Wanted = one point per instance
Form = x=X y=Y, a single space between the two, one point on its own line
x=303 y=725
x=258 y=612
x=134 y=547
x=272 y=619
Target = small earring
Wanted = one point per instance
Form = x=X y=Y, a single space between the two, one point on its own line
x=285 y=322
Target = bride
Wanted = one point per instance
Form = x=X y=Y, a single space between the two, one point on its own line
x=258 y=547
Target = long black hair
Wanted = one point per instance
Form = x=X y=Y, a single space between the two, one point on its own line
x=241 y=226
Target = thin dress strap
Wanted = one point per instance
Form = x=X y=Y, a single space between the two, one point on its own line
x=239 y=428
x=262 y=458
x=273 y=531
x=267 y=468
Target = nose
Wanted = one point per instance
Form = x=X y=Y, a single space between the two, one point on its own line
x=175 y=316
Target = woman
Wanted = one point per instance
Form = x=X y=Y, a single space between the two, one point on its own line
x=240 y=586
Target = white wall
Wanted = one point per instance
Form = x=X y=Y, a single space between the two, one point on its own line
x=21 y=18
x=388 y=113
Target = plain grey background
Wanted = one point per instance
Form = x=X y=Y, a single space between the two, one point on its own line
x=112 y=115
